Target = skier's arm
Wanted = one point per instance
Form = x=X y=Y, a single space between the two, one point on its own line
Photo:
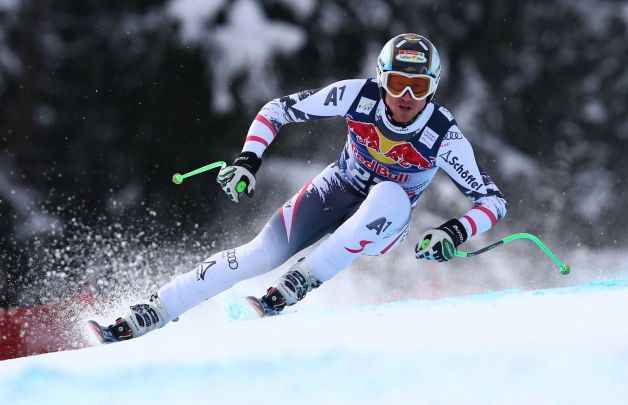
x=457 y=159
x=333 y=100
x=330 y=101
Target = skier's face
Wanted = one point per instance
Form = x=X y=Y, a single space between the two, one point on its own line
x=404 y=108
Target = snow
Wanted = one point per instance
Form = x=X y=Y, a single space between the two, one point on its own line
x=24 y=201
x=302 y=8
x=560 y=346
x=375 y=13
x=10 y=64
x=596 y=185
x=6 y=5
x=595 y=112
x=193 y=15
x=245 y=43
x=597 y=13
x=8 y=60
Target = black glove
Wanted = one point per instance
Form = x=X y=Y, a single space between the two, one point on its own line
x=243 y=168
x=440 y=244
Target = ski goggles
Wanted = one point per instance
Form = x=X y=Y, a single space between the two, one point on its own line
x=396 y=84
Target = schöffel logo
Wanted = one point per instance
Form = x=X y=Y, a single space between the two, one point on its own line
x=465 y=175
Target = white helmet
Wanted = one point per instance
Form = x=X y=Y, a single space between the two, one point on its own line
x=409 y=54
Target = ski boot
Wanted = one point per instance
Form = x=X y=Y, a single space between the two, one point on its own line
x=141 y=319
x=291 y=288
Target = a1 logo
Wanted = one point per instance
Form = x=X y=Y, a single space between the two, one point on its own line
x=379 y=225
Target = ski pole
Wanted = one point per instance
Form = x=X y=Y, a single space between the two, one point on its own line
x=178 y=178
x=562 y=267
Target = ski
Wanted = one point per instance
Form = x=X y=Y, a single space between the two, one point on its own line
x=102 y=333
x=248 y=308
x=257 y=306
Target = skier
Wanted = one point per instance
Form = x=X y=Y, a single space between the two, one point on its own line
x=398 y=137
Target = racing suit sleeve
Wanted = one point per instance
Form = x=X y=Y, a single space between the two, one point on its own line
x=456 y=158
x=330 y=101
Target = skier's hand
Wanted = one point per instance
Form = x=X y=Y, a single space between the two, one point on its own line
x=243 y=168
x=435 y=244
x=440 y=244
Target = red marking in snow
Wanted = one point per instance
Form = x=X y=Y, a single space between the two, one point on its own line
x=363 y=244
x=40 y=329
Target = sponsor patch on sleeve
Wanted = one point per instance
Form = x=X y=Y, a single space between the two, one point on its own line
x=428 y=137
x=453 y=134
x=446 y=113
x=365 y=106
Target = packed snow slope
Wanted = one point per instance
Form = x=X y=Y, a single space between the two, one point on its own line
x=560 y=346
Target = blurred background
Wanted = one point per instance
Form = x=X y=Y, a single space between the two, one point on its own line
x=101 y=102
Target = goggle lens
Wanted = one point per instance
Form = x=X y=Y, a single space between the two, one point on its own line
x=396 y=84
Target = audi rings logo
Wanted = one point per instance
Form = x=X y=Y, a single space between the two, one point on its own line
x=232 y=260
x=452 y=136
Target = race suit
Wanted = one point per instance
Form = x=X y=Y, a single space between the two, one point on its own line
x=362 y=202
x=378 y=150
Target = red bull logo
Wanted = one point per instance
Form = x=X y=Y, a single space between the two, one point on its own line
x=406 y=155
x=365 y=133
x=378 y=168
x=385 y=150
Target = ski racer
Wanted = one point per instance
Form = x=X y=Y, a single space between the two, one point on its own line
x=398 y=137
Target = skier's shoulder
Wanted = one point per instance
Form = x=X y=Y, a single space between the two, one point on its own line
x=345 y=90
x=332 y=99
x=352 y=84
x=441 y=120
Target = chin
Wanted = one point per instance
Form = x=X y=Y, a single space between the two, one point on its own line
x=406 y=116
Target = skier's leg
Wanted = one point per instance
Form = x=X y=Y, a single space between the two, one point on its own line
x=315 y=210
x=311 y=213
x=224 y=269
x=379 y=224
x=215 y=274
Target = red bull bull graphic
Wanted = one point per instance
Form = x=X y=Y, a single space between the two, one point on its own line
x=385 y=150
x=406 y=156
x=365 y=133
